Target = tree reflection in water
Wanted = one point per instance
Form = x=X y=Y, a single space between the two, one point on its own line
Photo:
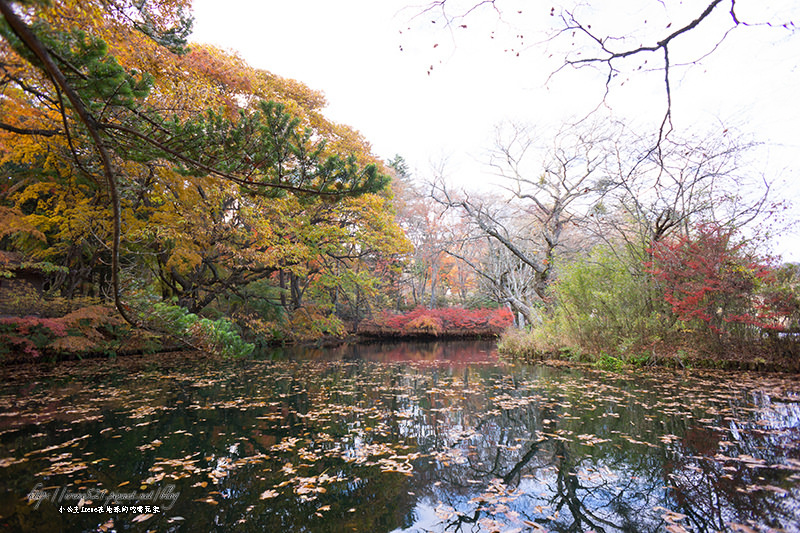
x=408 y=438
x=545 y=455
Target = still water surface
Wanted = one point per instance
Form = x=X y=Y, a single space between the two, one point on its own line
x=395 y=438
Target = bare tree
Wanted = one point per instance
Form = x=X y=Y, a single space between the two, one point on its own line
x=550 y=189
x=648 y=196
x=592 y=185
x=504 y=277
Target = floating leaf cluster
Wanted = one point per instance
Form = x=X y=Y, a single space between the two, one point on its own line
x=464 y=443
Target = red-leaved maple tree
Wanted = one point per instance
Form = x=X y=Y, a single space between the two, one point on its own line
x=709 y=279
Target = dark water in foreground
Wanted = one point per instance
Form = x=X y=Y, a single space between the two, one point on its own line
x=436 y=437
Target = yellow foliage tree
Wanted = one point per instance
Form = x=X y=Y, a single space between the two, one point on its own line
x=132 y=151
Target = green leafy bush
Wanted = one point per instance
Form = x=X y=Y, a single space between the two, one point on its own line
x=606 y=302
x=216 y=336
x=609 y=362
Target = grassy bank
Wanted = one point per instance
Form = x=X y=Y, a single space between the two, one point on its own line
x=777 y=354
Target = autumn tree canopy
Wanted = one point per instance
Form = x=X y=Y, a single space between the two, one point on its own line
x=140 y=162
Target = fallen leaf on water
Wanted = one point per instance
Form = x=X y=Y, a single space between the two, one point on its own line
x=671 y=516
x=534 y=525
x=676 y=528
x=740 y=527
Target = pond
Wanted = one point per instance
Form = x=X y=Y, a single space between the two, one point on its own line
x=394 y=438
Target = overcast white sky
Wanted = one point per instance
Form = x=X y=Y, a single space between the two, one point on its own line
x=372 y=59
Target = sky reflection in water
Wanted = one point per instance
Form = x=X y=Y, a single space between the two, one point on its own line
x=429 y=437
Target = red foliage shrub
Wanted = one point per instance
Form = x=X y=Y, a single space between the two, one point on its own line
x=708 y=279
x=424 y=323
x=79 y=331
x=30 y=334
x=450 y=320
